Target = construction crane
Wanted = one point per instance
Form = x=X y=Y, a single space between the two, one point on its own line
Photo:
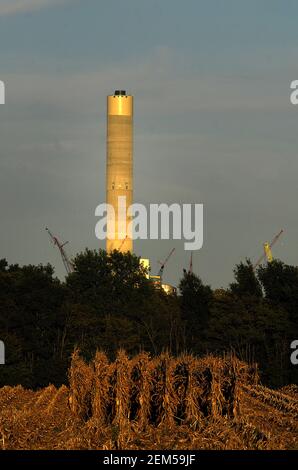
x=190 y=264
x=190 y=269
x=66 y=261
x=162 y=267
x=268 y=250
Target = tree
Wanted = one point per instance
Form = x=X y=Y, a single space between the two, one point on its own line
x=3 y=265
x=280 y=283
x=247 y=284
x=108 y=282
x=112 y=303
x=108 y=302
x=195 y=303
x=254 y=331
x=30 y=304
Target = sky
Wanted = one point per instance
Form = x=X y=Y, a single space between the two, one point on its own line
x=213 y=123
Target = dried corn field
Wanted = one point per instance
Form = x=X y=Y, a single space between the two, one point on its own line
x=152 y=403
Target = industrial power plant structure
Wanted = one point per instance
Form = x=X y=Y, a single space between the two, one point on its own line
x=119 y=172
x=119 y=177
x=119 y=184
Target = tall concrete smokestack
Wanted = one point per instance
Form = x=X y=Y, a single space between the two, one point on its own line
x=119 y=174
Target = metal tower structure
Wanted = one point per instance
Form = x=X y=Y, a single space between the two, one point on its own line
x=119 y=170
x=66 y=261
x=268 y=250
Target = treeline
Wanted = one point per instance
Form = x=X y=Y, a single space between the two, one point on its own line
x=108 y=303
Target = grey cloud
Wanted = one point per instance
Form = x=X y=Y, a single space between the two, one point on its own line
x=225 y=141
x=11 y=7
x=158 y=84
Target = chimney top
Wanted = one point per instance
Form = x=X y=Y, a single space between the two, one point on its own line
x=120 y=92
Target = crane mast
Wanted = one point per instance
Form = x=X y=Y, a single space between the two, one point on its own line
x=190 y=270
x=268 y=250
x=162 y=267
x=66 y=261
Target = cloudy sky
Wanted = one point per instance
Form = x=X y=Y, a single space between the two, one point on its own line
x=213 y=122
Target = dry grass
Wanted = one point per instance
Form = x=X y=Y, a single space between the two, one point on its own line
x=151 y=403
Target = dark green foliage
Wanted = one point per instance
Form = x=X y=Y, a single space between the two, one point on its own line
x=247 y=283
x=30 y=317
x=113 y=283
x=108 y=303
x=195 y=303
x=280 y=282
x=255 y=331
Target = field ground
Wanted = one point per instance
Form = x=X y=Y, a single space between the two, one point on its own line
x=158 y=403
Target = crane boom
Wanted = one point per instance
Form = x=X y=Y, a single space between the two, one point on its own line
x=160 y=272
x=66 y=261
x=190 y=264
x=267 y=250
